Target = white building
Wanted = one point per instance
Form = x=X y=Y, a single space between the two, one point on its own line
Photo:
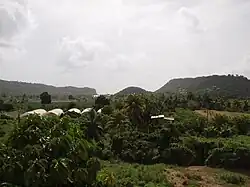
x=162 y=117
x=75 y=110
x=86 y=110
x=39 y=112
x=55 y=112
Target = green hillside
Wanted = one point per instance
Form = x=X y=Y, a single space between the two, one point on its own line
x=238 y=86
x=131 y=90
x=20 y=88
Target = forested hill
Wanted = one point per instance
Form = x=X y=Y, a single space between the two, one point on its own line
x=131 y=90
x=20 y=88
x=230 y=85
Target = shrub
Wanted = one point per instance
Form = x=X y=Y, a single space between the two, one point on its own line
x=242 y=124
x=107 y=110
x=201 y=147
x=233 y=178
x=178 y=154
x=48 y=152
x=5 y=116
x=229 y=157
x=2 y=133
x=7 y=107
x=123 y=174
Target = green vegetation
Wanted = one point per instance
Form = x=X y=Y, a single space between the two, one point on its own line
x=16 y=88
x=212 y=113
x=230 y=85
x=121 y=174
x=123 y=146
x=233 y=178
x=131 y=90
x=45 y=98
x=48 y=152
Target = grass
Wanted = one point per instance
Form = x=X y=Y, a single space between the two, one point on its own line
x=135 y=175
x=13 y=114
x=124 y=174
x=233 y=178
x=185 y=115
x=212 y=113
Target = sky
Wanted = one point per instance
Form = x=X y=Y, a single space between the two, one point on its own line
x=111 y=44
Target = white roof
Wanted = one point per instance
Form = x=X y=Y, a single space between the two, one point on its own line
x=156 y=117
x=57 y=112
x=26 y=114
x=162 y=117
x=76 y=110
x=100 y=110
x=169 y=119
x=86 y=110
x=39 y=112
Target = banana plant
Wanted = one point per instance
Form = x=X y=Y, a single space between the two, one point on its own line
x=48 y=152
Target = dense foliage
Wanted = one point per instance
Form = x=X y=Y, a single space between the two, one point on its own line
x=132 y=90
x=45 y=151
x=48 y=152
x=123 y=174
x=45 y=98
x=229 y=85
x=5 y=106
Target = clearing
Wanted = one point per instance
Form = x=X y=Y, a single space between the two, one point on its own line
x=159 y=175
x=212 y=113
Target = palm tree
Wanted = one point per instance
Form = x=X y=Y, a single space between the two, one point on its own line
x=118 y=123
x=134 y=108
x=93 y=129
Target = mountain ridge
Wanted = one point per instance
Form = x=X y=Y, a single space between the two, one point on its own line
x=230 y=85
x=227 y=84
x=131 y=90
x=20 y=88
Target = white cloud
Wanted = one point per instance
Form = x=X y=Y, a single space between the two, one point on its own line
x=125 y=42
x=15 y=23
x=15 y=19
x=191 y=20
x=123 y=63
x=242 y=67
x=78 y=53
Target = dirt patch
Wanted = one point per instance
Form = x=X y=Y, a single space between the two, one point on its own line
x=211 y=113
x=203 y=175
x=176 y=177
x=192 y=176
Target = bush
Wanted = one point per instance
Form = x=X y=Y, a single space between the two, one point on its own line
x=48 y=152
x=201 y=147
x=233 y=178
x=242 y=124
x=193 y=105
x=122 y=174
x=2 y=133
x=7 y=107
x=107 y=110
x=5 y=116
x=178 y=154
x=231 y=158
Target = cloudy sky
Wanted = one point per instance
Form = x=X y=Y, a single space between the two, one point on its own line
x=111 y=44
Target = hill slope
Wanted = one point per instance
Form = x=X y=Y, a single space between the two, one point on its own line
x=20 y=88
x=131 y=90
x=229 y=85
